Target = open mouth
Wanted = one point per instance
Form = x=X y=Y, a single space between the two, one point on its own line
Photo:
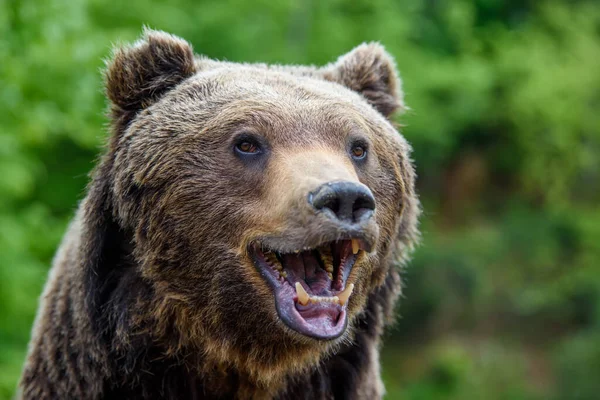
x=311 y=285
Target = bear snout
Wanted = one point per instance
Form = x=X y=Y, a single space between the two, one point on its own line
x=344 y=202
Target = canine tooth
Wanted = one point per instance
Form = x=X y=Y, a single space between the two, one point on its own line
x=345 y=295
x=330 y=275
x=284 y=274
x=303 y=297
x=355 y=246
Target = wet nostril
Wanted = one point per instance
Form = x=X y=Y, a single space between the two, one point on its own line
x=325 y=199
x=344 y=201
x=363 y=202
x=362 y=208
x=334 y=205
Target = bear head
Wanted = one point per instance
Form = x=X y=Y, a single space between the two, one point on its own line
x=246 y=212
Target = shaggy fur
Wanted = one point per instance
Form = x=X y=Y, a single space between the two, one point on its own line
x=152 y=293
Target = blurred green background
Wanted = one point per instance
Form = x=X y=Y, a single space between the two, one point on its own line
x=502 y=299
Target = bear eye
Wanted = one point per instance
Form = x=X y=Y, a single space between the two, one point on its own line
x=358 y=151
x=247 y=147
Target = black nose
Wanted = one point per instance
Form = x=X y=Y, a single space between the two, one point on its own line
x=345 y=201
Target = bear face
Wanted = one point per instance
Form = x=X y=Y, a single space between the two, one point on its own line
x=242 y=226
x=265 y=202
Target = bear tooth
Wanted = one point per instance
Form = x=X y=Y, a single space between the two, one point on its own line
x=327 y=258
x=303 y=297
x=355 y=246
x=330 y=275
x=345 y=295
x=272 y=260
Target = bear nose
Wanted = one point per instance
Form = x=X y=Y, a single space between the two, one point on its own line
x=345 y=201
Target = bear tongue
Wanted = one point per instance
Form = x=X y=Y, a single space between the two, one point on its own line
x=305 y=267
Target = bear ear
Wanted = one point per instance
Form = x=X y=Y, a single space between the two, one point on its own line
x=138 y=75
x=369 y=70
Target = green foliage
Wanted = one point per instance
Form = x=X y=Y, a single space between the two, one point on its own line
x=502 y=300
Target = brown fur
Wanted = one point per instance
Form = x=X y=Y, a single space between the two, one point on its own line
x=152 y=293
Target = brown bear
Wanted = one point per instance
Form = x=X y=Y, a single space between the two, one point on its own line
x=241 y=235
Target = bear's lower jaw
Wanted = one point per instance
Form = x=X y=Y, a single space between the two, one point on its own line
x=310 y=286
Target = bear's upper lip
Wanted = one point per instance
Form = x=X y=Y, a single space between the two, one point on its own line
x=310 y=284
